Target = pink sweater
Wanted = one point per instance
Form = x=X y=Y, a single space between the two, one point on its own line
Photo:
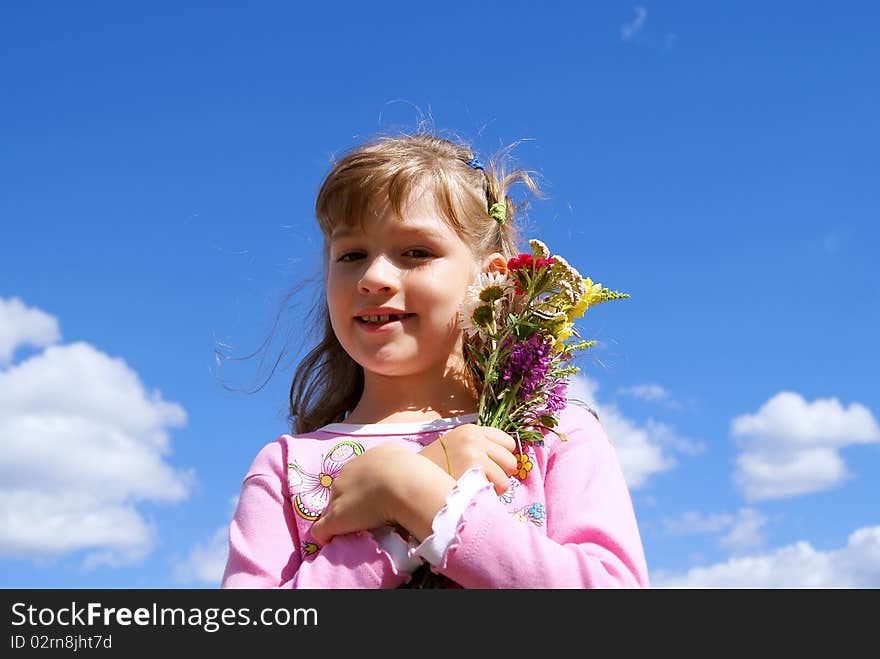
x=569 y=524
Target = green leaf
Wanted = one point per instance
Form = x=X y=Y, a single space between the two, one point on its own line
x=530 y=436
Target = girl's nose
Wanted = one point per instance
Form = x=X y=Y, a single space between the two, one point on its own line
x=380 y=275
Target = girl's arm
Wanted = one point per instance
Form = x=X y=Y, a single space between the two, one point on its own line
x=389 y=484
x=592 y=538
x=265 y=548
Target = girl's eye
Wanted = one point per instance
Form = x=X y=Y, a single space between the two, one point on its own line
x=419 y=254
x=420 y=251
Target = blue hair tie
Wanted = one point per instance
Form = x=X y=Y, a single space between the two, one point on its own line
x=475 y=163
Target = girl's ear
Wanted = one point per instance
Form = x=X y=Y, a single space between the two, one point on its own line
x=495 y=262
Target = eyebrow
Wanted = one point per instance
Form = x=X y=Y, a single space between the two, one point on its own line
x=425 y=230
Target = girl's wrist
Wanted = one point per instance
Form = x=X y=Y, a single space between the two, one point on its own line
x=418 y=494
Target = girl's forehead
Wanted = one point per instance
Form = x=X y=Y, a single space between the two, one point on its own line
x=419 y=217
x=422 y=227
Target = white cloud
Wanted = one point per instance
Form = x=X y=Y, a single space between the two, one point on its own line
x=745 y=531
x=667 y=437
x=763 y=475
x=584 y=388
x=856 y=565
x=648 y=392
x=21 y=325
x=643 y=451
x=629 y=30
x=206 y=561
x=788 y=419
x=741 y=531
x=694 y=522
x=59 y=520
x=83 y=444
x=791 y=447
x=651 y=393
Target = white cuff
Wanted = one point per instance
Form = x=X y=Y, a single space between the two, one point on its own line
x=397 y=548
x=445 y=525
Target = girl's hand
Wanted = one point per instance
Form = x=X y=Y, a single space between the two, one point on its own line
x=360 y=496
x=470 y=445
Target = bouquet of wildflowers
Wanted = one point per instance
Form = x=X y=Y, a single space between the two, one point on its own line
x=518 y=328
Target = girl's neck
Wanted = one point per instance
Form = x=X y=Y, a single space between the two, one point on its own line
x=409 y=399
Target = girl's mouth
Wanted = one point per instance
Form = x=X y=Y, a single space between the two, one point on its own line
x=379 y=322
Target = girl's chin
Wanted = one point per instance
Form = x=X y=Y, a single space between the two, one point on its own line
x=388 y=370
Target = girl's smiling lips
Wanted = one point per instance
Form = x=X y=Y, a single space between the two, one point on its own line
x=387 y=326
x=381 y=311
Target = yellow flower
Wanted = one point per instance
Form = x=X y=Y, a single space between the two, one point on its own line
x=565 y=331
x=523 y=466
x=593 y=295
x=578 y=310
x=562 y=331
x=596 y=293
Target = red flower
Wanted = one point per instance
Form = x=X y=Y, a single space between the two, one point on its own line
x=524 y=261
x=520 y=262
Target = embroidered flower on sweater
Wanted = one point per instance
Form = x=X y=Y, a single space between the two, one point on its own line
x=523 y=466
x=535 y=513
x=311 y=492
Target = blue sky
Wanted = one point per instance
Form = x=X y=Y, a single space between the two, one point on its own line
x=718 y=162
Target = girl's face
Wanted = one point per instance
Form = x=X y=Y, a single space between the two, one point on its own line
x=416 y=266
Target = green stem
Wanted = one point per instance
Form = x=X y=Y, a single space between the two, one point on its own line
x=492 y=364
x=509 y=398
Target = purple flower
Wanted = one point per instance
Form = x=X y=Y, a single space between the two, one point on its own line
x=556 y=397
x=529 y=360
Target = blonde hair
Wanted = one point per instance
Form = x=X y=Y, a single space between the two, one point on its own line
x=328 y=383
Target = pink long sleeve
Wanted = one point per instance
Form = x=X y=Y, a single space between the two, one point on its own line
x=569 y=524
x=264 y=542
x=591 y=539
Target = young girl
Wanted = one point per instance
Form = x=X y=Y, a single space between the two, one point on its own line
x=386 y=473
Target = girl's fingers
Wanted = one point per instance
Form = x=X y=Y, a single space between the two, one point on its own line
x=471 y=433
x=502 y=457
x=320 y=532
x=475 y=446
x=499 y=437
x=497 y=477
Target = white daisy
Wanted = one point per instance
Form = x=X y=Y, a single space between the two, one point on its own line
x=486 y=292
x=466 y=313
x=493 y=286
